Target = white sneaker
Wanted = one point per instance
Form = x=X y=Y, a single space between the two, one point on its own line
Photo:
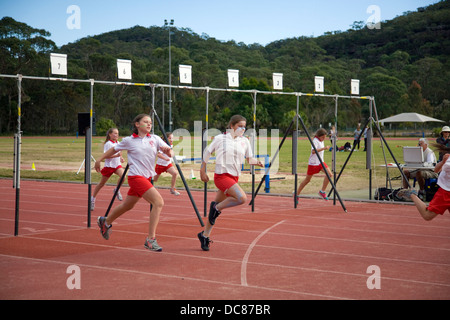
x=152 y=245
x=175 y=192
x=119 y=195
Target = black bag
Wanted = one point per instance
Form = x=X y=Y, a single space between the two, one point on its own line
x=430 y=191
x=387 y=194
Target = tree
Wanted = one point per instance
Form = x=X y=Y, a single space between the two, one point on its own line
x=23 y=50
x=387 y=90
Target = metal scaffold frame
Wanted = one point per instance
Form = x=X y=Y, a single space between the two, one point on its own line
x=152 y=87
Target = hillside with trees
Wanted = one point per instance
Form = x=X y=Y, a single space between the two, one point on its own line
x=404 y=64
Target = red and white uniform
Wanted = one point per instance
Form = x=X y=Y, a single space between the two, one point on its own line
x=163 y=165
x=314 y=165
x=112 y=162
x=313 y=158
x=141 y=154
x=230 y=153
x=441 y=200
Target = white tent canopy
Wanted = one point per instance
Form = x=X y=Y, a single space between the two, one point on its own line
x=409 y=117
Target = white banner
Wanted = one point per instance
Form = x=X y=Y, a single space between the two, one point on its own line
x=319 y=84
x=355 y=87
x=124 y=69
x=58 y=63
x=233 y=78
x=185 y=74
x=278 y=81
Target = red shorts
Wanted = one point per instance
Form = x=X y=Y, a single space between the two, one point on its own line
x=139 y=185
x=161 y=169
x=440 y=202
x=225 y=181
x=108 y=171
x=312 y=170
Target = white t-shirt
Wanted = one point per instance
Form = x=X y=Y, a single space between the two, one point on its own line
x=429 y=156
x=313 y=159
x=113 y=162
x=230 y=153
x=444 y=176
x=141 y=154
x=162 y=162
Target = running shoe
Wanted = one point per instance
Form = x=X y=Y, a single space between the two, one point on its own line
x=205 y=242
x=323 y=195
x=152 y=245
x=406 y=194
x=213 y=213
x=175 y=192
x=119 y=195
x=104 y=230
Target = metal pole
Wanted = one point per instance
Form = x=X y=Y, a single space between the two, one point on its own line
x=254 y=154
x=163 y=102
x=369 y=149
x=348 y=158
x=18 y=142
x=334 y=147
x=295 y=154
x=117 y=189
x=267 y=169
x=204 y=146
x=180 y=172
x=87 y=163
x=170 y=77
x=321 y=162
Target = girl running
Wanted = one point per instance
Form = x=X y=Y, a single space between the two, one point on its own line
x=142 y=149
x=112 y=164
x=441 y=200
x=164 y=164
x=314 y=165
x=231 y=149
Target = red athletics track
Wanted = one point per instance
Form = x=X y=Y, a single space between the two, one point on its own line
x=314 y=252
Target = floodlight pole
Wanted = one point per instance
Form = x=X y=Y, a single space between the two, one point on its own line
x=170 y=73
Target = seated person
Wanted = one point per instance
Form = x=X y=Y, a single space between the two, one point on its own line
x=444 y=139
x=422 y=174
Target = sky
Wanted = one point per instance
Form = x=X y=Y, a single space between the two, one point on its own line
x=247 y=21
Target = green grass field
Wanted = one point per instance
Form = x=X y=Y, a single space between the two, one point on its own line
x=59 y=158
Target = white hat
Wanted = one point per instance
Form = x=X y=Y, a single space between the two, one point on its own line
x=445 y=129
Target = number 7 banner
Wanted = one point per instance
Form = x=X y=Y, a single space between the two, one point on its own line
x=58 y=63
